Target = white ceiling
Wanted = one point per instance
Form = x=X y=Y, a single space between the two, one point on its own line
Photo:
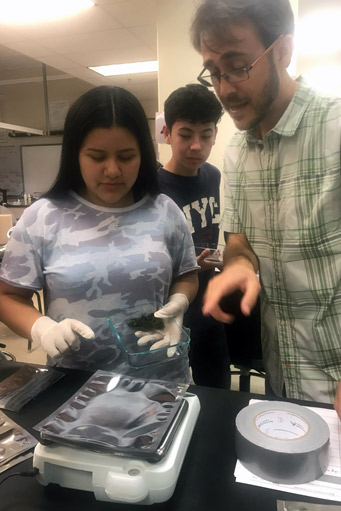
x=111 y=32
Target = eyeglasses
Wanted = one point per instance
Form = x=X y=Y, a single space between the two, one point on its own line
x=234 y=76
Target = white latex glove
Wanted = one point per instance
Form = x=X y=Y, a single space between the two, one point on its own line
x=175 y=308
x=56 y=338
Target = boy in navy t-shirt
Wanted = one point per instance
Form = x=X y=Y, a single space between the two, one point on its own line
x=191 y=116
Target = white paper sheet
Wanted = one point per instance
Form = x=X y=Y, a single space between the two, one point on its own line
x=326 y=487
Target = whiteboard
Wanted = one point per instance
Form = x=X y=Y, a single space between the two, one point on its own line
x=40 y=165
x=11 y=178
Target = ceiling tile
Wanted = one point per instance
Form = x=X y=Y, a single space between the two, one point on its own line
x=144 y=85
x=89 y=76
x=147 y=34
x=8 y=34
x=114 y=56
x=91 y=20
x=134 y=78
x=59 y=62
x=114 y=31
x=105 y=2
x=117 y=38
x=132 y=13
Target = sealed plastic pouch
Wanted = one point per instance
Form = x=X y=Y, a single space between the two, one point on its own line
x=25 y=384
x=119 y=414
x=14 y=442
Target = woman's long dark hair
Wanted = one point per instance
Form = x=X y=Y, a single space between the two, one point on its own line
x=104 y=107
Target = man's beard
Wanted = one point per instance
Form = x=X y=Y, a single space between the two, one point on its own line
x=267 y=97
x=263 y=103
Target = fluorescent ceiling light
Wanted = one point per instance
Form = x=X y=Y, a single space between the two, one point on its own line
x=126 y=69
x=33 y=11
x=319 y=33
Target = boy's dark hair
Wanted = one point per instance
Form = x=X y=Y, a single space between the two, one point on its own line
x=193 y=103
x=104 y=107
x=271 y=18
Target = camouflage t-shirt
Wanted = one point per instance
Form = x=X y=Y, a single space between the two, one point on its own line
x=92 y=261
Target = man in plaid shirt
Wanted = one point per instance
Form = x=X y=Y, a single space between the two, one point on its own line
x=282 y=194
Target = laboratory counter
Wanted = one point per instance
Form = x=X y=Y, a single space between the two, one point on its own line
x=206 y=481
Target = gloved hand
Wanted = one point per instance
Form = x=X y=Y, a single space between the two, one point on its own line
x=56 y=338
x=175 y=308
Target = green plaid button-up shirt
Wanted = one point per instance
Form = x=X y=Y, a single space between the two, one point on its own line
x=284 y=193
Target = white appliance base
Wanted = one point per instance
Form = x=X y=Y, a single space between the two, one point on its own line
x=114 y=478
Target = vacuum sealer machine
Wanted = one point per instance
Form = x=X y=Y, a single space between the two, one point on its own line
x=121 y=438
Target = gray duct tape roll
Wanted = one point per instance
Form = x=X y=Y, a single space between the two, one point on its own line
x=282 y=442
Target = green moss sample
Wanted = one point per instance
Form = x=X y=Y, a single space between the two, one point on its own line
x=146 y=323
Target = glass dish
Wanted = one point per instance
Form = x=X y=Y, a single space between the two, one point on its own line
x=123 y=325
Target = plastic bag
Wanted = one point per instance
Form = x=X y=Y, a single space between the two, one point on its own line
x=25 y=384
x=119 y=414
x=14 y=442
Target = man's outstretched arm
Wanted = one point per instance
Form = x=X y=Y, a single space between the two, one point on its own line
x=239 y=275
